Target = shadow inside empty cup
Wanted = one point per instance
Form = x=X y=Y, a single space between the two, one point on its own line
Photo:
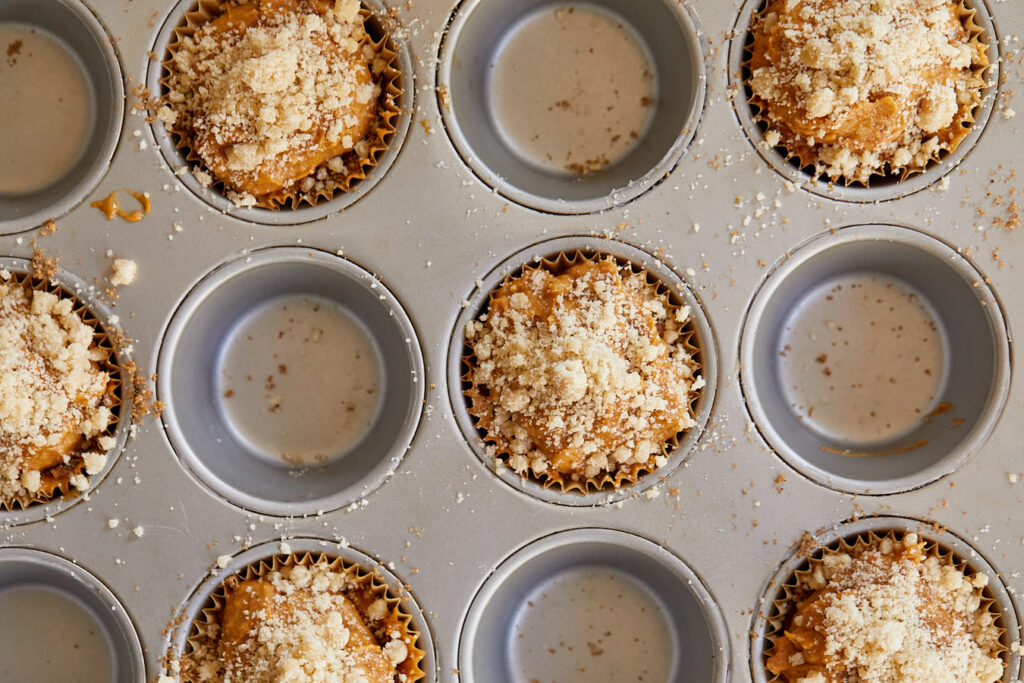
x=61 y=624
x=61 y=101
x=875 y=360
x=292 y=380
x=571 y=107
x=593 y=605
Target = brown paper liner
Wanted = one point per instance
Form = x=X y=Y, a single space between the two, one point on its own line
x=805 y=157
x=356 y=167
x=56 y=481
x=794 y=589
x=369 y=588
x=481 y=410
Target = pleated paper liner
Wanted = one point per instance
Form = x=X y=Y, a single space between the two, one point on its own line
x=56 y=481
x=368 y=588
x=356 y=166
x=805 y=157
x=795 y=589
x=481 y=409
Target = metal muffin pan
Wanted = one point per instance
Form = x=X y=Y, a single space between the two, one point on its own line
x=432 y=231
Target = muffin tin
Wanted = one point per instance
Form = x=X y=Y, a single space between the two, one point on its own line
x=725 y=223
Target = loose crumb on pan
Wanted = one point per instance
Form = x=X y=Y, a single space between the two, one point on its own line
x=889 y=612
x=860 y=85
x=123 y=272
x=52 y=390
x=582 y=373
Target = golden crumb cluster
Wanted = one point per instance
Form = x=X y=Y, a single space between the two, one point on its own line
x=53 y=394
x=273 y=94
x=581 y=374
x=859 y=87
x=304 y=624
x=888 y=612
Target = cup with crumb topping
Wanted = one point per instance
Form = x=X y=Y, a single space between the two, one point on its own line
x=280 y=103
x=309 y=617
x=856 y=91
x=884 y=606
x=60 y=392
x=582 y=372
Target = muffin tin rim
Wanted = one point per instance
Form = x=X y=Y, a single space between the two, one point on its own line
x=881 y=231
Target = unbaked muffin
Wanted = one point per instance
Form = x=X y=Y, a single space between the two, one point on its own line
x=856 y=89
x=279 y=101
x=581 y=373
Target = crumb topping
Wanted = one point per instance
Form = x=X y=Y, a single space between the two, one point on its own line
x=864 y=84
x=272 y=89
x=582 y=373
x=297 y=625
x=889 y=613
x=51 y=388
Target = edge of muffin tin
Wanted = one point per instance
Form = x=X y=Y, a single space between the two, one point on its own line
x=883 y=189
x=175 y=160
x=176 y=639
x=79 y=290
x=928 y=531
x=476 y=303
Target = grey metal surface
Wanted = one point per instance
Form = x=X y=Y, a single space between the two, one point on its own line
x=430 y=229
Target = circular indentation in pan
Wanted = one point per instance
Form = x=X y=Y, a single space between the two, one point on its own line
x=593 y=605
x=768 y=618
x=177 y=162
x=657 y=272
x=99 y=316
x=571 y=107
x=874 y=359
x=262 y=556
x=292 y=380
x=63 y=102
x=880 y=188
x=62 y=624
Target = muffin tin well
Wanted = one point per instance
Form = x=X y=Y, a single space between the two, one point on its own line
x=571 y=108
x=62 y=620
x=460 y=200
x=543 y=612
x=910 y=360
x=66 y=132
x=293 y=382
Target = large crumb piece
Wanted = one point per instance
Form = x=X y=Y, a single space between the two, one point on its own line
x=582 y=373
x=123 y=272
x=852 y=87
x=889 y=613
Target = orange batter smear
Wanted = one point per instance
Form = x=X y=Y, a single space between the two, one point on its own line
x=272 y=95
x=111 y=207
x=887 y=611
x=581 y=373
x=852 y=88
